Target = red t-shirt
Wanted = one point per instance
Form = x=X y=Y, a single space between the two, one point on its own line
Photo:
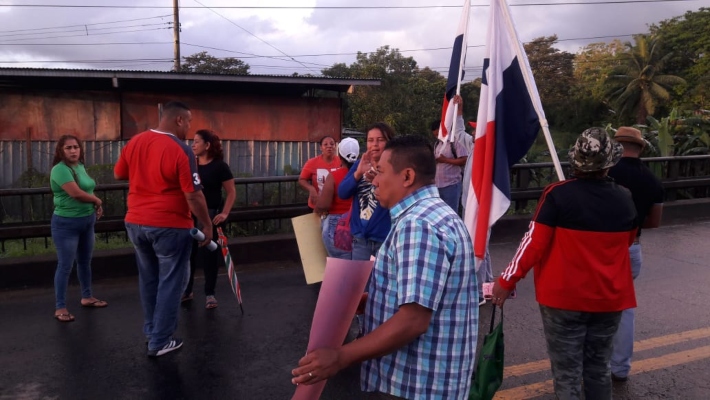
x=339 y=206
x=160 y=170
x=317 y=169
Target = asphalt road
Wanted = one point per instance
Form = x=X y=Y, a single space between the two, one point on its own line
x=232 y=356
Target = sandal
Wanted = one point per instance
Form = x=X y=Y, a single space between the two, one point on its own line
x=64 y=317
x=211 y=303
x=187 y=297
x=96 y=303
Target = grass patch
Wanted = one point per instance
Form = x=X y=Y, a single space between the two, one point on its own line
x=38 y=246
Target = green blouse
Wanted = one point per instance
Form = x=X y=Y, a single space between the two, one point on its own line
x=65 y=205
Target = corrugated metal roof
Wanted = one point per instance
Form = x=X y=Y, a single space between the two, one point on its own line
x=180 y=76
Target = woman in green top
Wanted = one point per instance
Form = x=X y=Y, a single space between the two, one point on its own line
x=76 y=210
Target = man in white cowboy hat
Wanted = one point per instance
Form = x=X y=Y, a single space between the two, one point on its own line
x=578 y=244
x=647 y=193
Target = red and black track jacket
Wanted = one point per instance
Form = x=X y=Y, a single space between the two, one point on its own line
x=578 y=243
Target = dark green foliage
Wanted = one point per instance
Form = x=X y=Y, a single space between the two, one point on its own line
x=687 y=37
x=639 y=84
x=203 y=63
x=408 y=99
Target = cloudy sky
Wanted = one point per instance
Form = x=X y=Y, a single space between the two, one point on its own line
x=137 y=34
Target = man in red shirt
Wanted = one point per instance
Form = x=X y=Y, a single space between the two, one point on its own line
x=578 y=244
x=163 y=189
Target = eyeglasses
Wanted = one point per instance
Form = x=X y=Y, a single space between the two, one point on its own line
x=71 y=147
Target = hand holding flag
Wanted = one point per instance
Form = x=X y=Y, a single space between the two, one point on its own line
x=456 y=74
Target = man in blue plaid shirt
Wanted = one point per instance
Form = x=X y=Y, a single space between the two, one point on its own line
x=421 y=316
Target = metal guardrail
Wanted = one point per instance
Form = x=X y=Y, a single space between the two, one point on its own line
x=26 y=212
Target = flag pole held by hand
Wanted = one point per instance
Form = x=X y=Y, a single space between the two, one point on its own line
x=231 y=270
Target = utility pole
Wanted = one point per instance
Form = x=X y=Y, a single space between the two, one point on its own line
x=176 y=34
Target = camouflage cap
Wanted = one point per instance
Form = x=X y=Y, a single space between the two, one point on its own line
x=594 y=150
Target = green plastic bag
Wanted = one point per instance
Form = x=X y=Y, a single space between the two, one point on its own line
x=489 y=371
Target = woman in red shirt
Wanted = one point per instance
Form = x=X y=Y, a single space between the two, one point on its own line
x=317 y=169
x=329 y=205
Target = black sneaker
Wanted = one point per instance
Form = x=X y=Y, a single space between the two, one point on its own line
x=173 y=344
x=616 y=378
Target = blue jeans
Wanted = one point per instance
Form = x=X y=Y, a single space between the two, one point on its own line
x=74 y=240
x=485 y=273
x=624 y=338
x=363 y=249
x=328 y=226
x=162 y=255
x=451 y=195
x=579 y=346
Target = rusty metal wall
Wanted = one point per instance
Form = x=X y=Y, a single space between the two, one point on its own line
x=246 y=158
x=240 y=116
x=47 y=115
x=105 y=116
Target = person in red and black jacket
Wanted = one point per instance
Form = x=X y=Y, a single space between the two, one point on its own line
x=578 y=243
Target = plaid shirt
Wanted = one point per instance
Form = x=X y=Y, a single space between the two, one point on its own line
x=426 y=259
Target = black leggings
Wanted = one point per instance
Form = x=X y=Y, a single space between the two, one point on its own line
x=209 y=261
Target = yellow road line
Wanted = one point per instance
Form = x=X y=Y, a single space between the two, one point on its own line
x=647 y=344
x=647 y=365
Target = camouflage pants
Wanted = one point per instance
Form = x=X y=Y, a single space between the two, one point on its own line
x=579 y=345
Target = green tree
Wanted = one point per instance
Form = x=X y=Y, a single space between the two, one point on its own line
x=409 y=98
x=339 y=70
x=680 y=134
x=203 y=63
x=688 y=38
x=593 y=65
x=639 y=85
x=471 y=94
x=553 y=70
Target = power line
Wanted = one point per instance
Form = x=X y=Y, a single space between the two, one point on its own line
x=245 y=30
x=471 y=69
x=342 y=7
x=148 y=63
x=78 y=25
x=84 y=35
x=88 y=61
x=251 y=55
x=86 y=29
x=84 y=44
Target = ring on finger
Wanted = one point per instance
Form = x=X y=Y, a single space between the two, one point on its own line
x=310 y=374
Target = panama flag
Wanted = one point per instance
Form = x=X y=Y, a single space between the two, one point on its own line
x=508 y=122
x=456 y=72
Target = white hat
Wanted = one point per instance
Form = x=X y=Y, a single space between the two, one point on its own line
x=349 y=149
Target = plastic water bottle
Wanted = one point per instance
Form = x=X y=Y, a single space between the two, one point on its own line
x=199 y=236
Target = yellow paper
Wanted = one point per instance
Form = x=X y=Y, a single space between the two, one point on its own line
x=310 y=246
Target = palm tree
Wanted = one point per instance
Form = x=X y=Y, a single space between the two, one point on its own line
x=638 y=85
